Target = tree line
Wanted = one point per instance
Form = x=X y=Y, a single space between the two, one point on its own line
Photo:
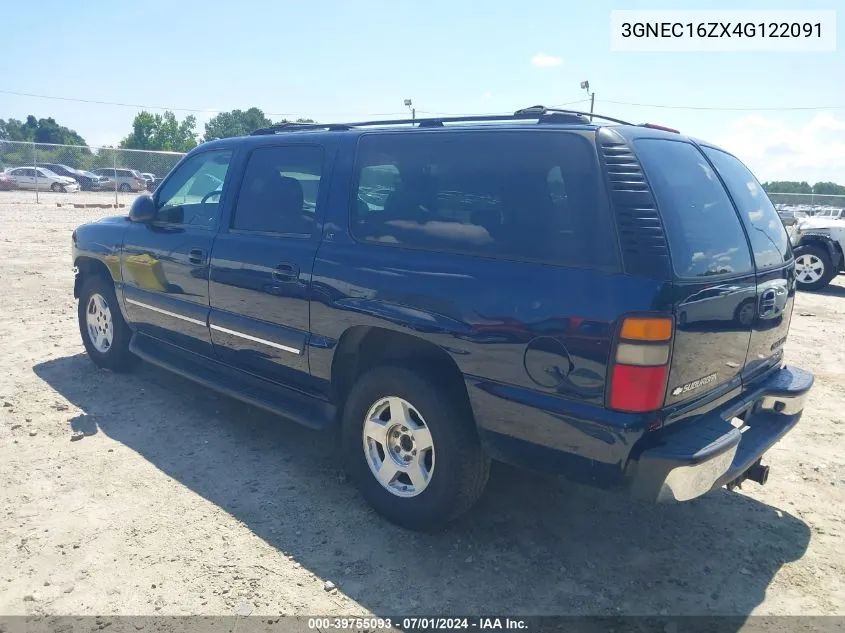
x=790 y=186
x=157 y=132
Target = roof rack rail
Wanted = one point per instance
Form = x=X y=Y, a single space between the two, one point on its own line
x=541 y=113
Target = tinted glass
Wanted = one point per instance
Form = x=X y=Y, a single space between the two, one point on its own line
x=518 y=195
x=192 y=194
x=279 y=190
x=769 y=240
x=705 y=235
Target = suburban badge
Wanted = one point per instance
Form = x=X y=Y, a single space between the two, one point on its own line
x=695 y=384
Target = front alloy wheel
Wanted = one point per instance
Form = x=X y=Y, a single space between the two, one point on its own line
x=809 y=268
x=105 y=334
x=813 y=268
x=99 y=321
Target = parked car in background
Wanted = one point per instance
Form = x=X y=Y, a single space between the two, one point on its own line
x=831 y=214
x=42 y=179
x=153 y=181
x=92 y=182
x=87 y=181
x=6 y=182
x=127 y=179
x=605 y=302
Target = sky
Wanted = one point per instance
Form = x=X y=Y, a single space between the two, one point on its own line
x=336 y=60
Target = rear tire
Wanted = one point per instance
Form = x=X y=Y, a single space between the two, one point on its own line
x=813 y=267
x=104 y=333
x=456 y=466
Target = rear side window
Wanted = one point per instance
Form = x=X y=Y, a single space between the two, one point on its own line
x=515 y=195
x=279 y=190
x=705 y=235
x=769 y=240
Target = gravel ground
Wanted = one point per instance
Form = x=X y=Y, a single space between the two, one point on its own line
x=179 y=501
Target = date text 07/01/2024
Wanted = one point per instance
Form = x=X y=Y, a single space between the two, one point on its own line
x=416 y=623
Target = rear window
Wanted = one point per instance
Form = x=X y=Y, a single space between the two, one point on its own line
x=705 y=235
x=514 y=195
x=769 y=240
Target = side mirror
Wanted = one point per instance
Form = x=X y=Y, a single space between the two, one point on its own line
x=143 y=210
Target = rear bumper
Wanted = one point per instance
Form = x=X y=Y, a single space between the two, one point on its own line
x=686 y=461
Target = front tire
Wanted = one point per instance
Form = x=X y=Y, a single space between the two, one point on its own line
x=56 y=187
x=813 y=267
x=125 y=188
x=104 y=332
x=411 y=448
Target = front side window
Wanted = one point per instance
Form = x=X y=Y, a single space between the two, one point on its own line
x=516 y=195
x=279 y=190
x=769 y=240
x=705 y=235
x=192 y=194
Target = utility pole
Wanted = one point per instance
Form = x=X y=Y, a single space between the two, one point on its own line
x=586 y=86
x=410 y=104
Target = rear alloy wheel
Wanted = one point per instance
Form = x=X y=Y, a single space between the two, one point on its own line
x=813 y=268
x=55 y=187
x=398 y=447
x=411 y=447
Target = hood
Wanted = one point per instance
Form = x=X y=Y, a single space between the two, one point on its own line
x=112 y=219
x=818 y=223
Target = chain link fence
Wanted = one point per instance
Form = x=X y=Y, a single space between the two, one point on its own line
x=812 y=200
x=67 y=174
x=38 y=172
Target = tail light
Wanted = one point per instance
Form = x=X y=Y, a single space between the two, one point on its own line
x=640 y=365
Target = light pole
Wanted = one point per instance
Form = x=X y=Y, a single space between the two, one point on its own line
x=410 y=104
x=586 y=86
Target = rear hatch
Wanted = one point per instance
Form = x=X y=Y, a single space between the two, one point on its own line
x=772 y=253
x=730 y=319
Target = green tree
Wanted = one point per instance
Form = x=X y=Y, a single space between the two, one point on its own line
x=39 y=131
x=787 y=186
x=161 y=132
x=235 y=123
x=828 y=188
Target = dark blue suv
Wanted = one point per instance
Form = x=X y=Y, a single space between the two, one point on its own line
x=607 y=302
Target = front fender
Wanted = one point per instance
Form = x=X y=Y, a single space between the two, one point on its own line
x=96 y=248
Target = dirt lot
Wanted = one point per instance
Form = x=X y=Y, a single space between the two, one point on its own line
x=179 y=501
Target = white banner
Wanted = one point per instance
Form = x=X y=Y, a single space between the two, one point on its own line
x=723 y=30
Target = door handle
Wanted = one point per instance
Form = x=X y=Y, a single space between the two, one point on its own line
x=286 y=272
x=196 y=256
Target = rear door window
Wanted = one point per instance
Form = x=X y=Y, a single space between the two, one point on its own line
x=705 y=235
x=769 y=241
x=534 y=196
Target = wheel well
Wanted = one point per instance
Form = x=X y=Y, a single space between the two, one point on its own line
x=362 y=347
x=822 y=241
x=86 y=267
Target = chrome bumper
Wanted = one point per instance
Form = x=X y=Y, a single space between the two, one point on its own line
x=687 y=461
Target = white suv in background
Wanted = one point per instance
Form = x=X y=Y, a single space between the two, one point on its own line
x=819 y=243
